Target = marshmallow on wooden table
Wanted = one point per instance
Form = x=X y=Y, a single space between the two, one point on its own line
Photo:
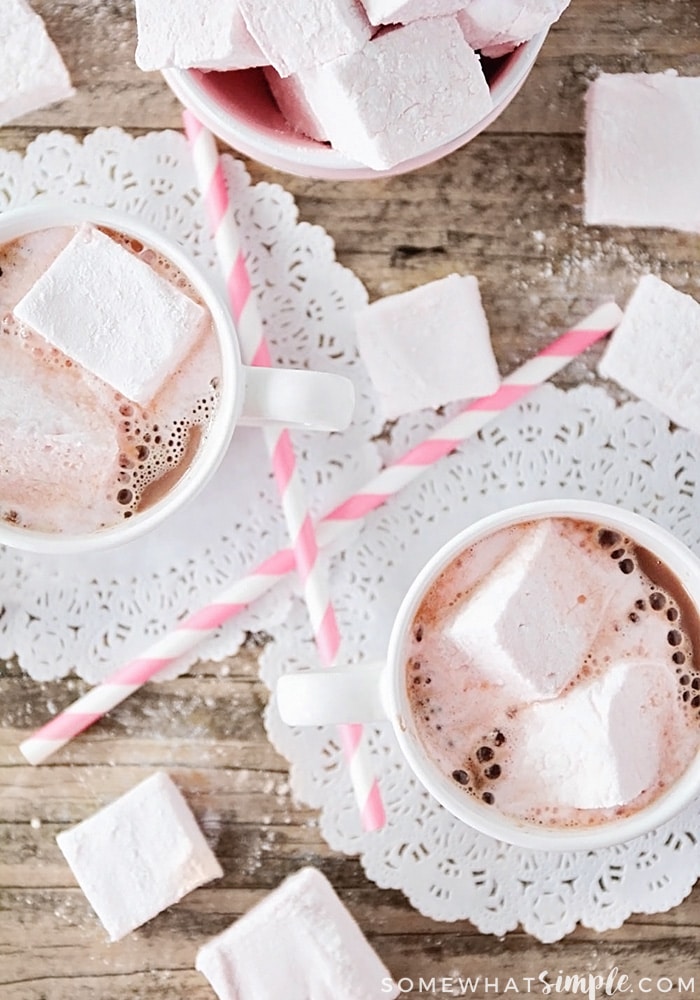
x=404 y=11
x=299 y=34
x=138 y=855
x=111 y=313
x=496 y=27
x=407 y=91
x=530 y=622
x=208 y=34
x=32 y=73
x=428 y=346
x=299 y=943
x=600 y=745
x=655 y=351
x=643 y=151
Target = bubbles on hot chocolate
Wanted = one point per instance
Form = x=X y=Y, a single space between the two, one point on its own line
x=473 y=728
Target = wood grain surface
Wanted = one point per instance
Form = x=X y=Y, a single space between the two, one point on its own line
x=506 y=208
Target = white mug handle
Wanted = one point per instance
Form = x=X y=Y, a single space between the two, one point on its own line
x=319 y=698
x=297 y=398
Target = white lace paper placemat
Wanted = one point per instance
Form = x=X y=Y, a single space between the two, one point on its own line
x=90 y=614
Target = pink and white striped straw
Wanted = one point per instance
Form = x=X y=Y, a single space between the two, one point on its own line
x=255 y=351
x=389 y=481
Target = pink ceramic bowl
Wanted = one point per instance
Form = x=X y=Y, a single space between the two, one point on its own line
x=239 y=108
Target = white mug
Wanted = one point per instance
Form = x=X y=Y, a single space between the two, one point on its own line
x=248 y=396
x=374 y=692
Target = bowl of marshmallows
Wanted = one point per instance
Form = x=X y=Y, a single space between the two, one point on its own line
x=344 y=89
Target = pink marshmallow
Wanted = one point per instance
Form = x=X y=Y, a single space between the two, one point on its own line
x=404 y=11
x=407 y=91
x=32 y=72
x=300 y=34
x=138 y=855
x=655 y=351
x=299 y=943
x=208 y=34
x=643 y=151
x=428 y=346
x=58 y=451
x=495 y=27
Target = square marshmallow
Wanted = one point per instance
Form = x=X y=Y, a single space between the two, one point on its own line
x=428 y=346
x=58 y=454
x=32 y=73
x=407 y=91
x=404 y=11
x=299 y=943
x=600 y=745
x=138 y=855
x=111 y=313
x=655 y=351
x=300 y=34
x=497 y=26
x=531 y=620
x=643 y=151
x=208 y=34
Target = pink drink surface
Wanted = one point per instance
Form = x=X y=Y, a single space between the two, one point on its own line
x=75 y=455
x=476 y=730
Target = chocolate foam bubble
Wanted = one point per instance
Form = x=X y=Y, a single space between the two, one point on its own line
x=474 y=729
x=99 y=458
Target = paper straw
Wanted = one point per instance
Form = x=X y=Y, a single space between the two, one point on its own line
x=196 y=627
x=302 y=532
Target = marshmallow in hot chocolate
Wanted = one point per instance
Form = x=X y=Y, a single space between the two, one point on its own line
x=598 y=746
x=104 y=308
x=529 y=623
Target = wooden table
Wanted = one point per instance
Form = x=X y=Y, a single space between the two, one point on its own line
x=506 y=208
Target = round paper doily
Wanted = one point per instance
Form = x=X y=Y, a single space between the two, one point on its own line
x=91 y=614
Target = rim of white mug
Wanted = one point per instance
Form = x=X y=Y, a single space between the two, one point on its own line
x=17 y=222
x=310 y=158
x=480 y=816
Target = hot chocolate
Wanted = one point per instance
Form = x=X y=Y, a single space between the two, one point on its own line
x=552 y=673
x=76 y=454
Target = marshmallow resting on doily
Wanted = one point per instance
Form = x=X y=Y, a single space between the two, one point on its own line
x=139 y=855
x=655 y=351
x=428 y=346
x=301 y=943
x=643 y=151
x=32 y=72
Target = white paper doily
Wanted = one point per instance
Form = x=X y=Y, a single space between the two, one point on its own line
x=92 y=614
x=555 y=444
